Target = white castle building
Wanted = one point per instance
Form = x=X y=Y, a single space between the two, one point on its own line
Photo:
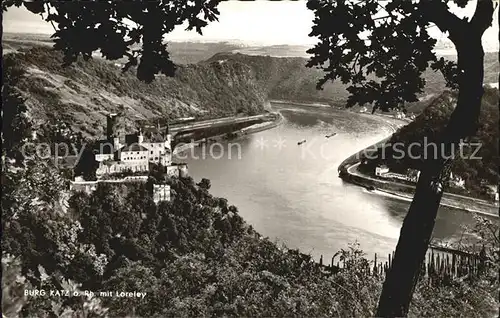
x=134 y=152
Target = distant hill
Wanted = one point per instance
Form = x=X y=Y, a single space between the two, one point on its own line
x=180 y=52
x=219 y=83
x=84 y=92
x=288 y=78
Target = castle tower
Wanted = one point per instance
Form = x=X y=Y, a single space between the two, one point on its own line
x=112 y=130
x=168 y=137
x=140 y=137
x=111 y=126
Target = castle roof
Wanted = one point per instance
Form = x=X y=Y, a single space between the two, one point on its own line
x=104 y=147
x=154 y=136
x=134 y=147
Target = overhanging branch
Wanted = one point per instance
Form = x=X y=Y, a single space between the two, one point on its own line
x=437 y=12
x=483 y=16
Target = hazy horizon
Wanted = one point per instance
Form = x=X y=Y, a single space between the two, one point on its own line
x=245 y=22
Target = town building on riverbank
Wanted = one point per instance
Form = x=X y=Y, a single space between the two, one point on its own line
x=492 y=191
x=381 y=170
x=411 y=175
x=400 y=115
x=456 y=181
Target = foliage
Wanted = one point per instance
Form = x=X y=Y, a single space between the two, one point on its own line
x=134 y=30
x=13 y=298
x=16 y=303
x=460 y=298
x=36 y=185
x=61 y=136
x=194 y=256
x=15 y=124
x=204 y=184
x=469 y=296
x=86 y=165
x=381 y=50
x=487 y=233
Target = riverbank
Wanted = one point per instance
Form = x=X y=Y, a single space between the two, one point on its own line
x=349 y=172
x=445 y=201
x=255 y=128
x=388 y=120
x=400 y=191
x=310 y=104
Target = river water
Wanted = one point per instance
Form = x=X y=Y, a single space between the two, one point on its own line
x=292 y=193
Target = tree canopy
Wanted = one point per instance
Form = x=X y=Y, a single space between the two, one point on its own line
x=382 y=48
x=121 y=29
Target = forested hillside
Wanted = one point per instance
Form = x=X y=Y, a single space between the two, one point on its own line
x=82 y=93
x=433 y=120
x=288 y=78
x=192 y=257
x=218 y=83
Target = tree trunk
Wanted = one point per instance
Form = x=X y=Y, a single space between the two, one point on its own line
x=418 y=224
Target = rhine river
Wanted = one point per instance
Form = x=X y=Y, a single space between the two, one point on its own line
x=292 y=193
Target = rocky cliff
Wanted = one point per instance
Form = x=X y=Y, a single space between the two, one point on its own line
x=288 y=78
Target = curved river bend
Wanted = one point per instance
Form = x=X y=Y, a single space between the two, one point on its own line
x=293 y=194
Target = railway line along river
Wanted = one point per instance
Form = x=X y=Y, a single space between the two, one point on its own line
x=292 y=193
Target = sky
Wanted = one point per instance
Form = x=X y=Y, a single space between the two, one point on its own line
x=249 y=22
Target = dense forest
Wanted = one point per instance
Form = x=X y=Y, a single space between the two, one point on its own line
x=427 y=126
x=193 y=256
